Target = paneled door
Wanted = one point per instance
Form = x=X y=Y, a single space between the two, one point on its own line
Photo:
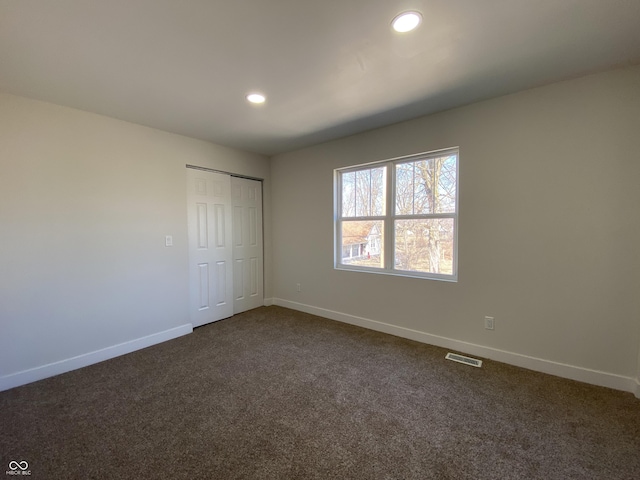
x=210 y=246
x=246 y=200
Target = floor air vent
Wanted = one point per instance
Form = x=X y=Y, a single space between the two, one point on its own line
x=462 y=359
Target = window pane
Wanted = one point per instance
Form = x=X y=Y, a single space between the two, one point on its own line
x=447 y=184
x=348 y=194
x=404 y=188
x=423 y=186
x=378 y=190
x=363 y=243
x=364 y=193
x=426 y=186
x=424 y=245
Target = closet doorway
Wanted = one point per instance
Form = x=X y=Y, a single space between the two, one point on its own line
x=225 y=245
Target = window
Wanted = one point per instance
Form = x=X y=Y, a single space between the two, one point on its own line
x=399 y=216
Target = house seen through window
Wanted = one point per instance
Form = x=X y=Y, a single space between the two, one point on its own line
x=399 y=216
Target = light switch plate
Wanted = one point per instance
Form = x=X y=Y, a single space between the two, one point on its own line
x=168 y=241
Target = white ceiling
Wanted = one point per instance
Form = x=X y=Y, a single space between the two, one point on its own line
x=329 y=68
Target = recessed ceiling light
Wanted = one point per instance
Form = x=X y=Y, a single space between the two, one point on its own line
x=406 y=21
x=256 y=98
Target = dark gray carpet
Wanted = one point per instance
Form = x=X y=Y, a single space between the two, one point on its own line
x=278 y=394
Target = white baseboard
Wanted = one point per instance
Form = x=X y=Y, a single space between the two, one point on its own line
x=73 y=363
x=268 y=302
x=572 y=372
x=637 y=388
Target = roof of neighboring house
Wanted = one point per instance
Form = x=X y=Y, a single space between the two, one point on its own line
x=356 y=232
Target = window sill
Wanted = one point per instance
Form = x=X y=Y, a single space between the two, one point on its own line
x=398 y=273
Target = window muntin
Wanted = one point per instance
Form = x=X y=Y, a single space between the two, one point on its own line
x=411 y=203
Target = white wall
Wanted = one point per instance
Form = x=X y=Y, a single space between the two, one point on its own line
x=85 y=204
x=548 y=235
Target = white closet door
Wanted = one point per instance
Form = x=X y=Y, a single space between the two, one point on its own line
x=210 y=250
x=248 y=288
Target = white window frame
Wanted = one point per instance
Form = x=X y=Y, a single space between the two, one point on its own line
x=390 y=216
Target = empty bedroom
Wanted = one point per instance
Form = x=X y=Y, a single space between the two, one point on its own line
x=309 y=240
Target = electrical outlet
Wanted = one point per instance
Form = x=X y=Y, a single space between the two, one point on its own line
x=298 y=288
x=489 y=323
